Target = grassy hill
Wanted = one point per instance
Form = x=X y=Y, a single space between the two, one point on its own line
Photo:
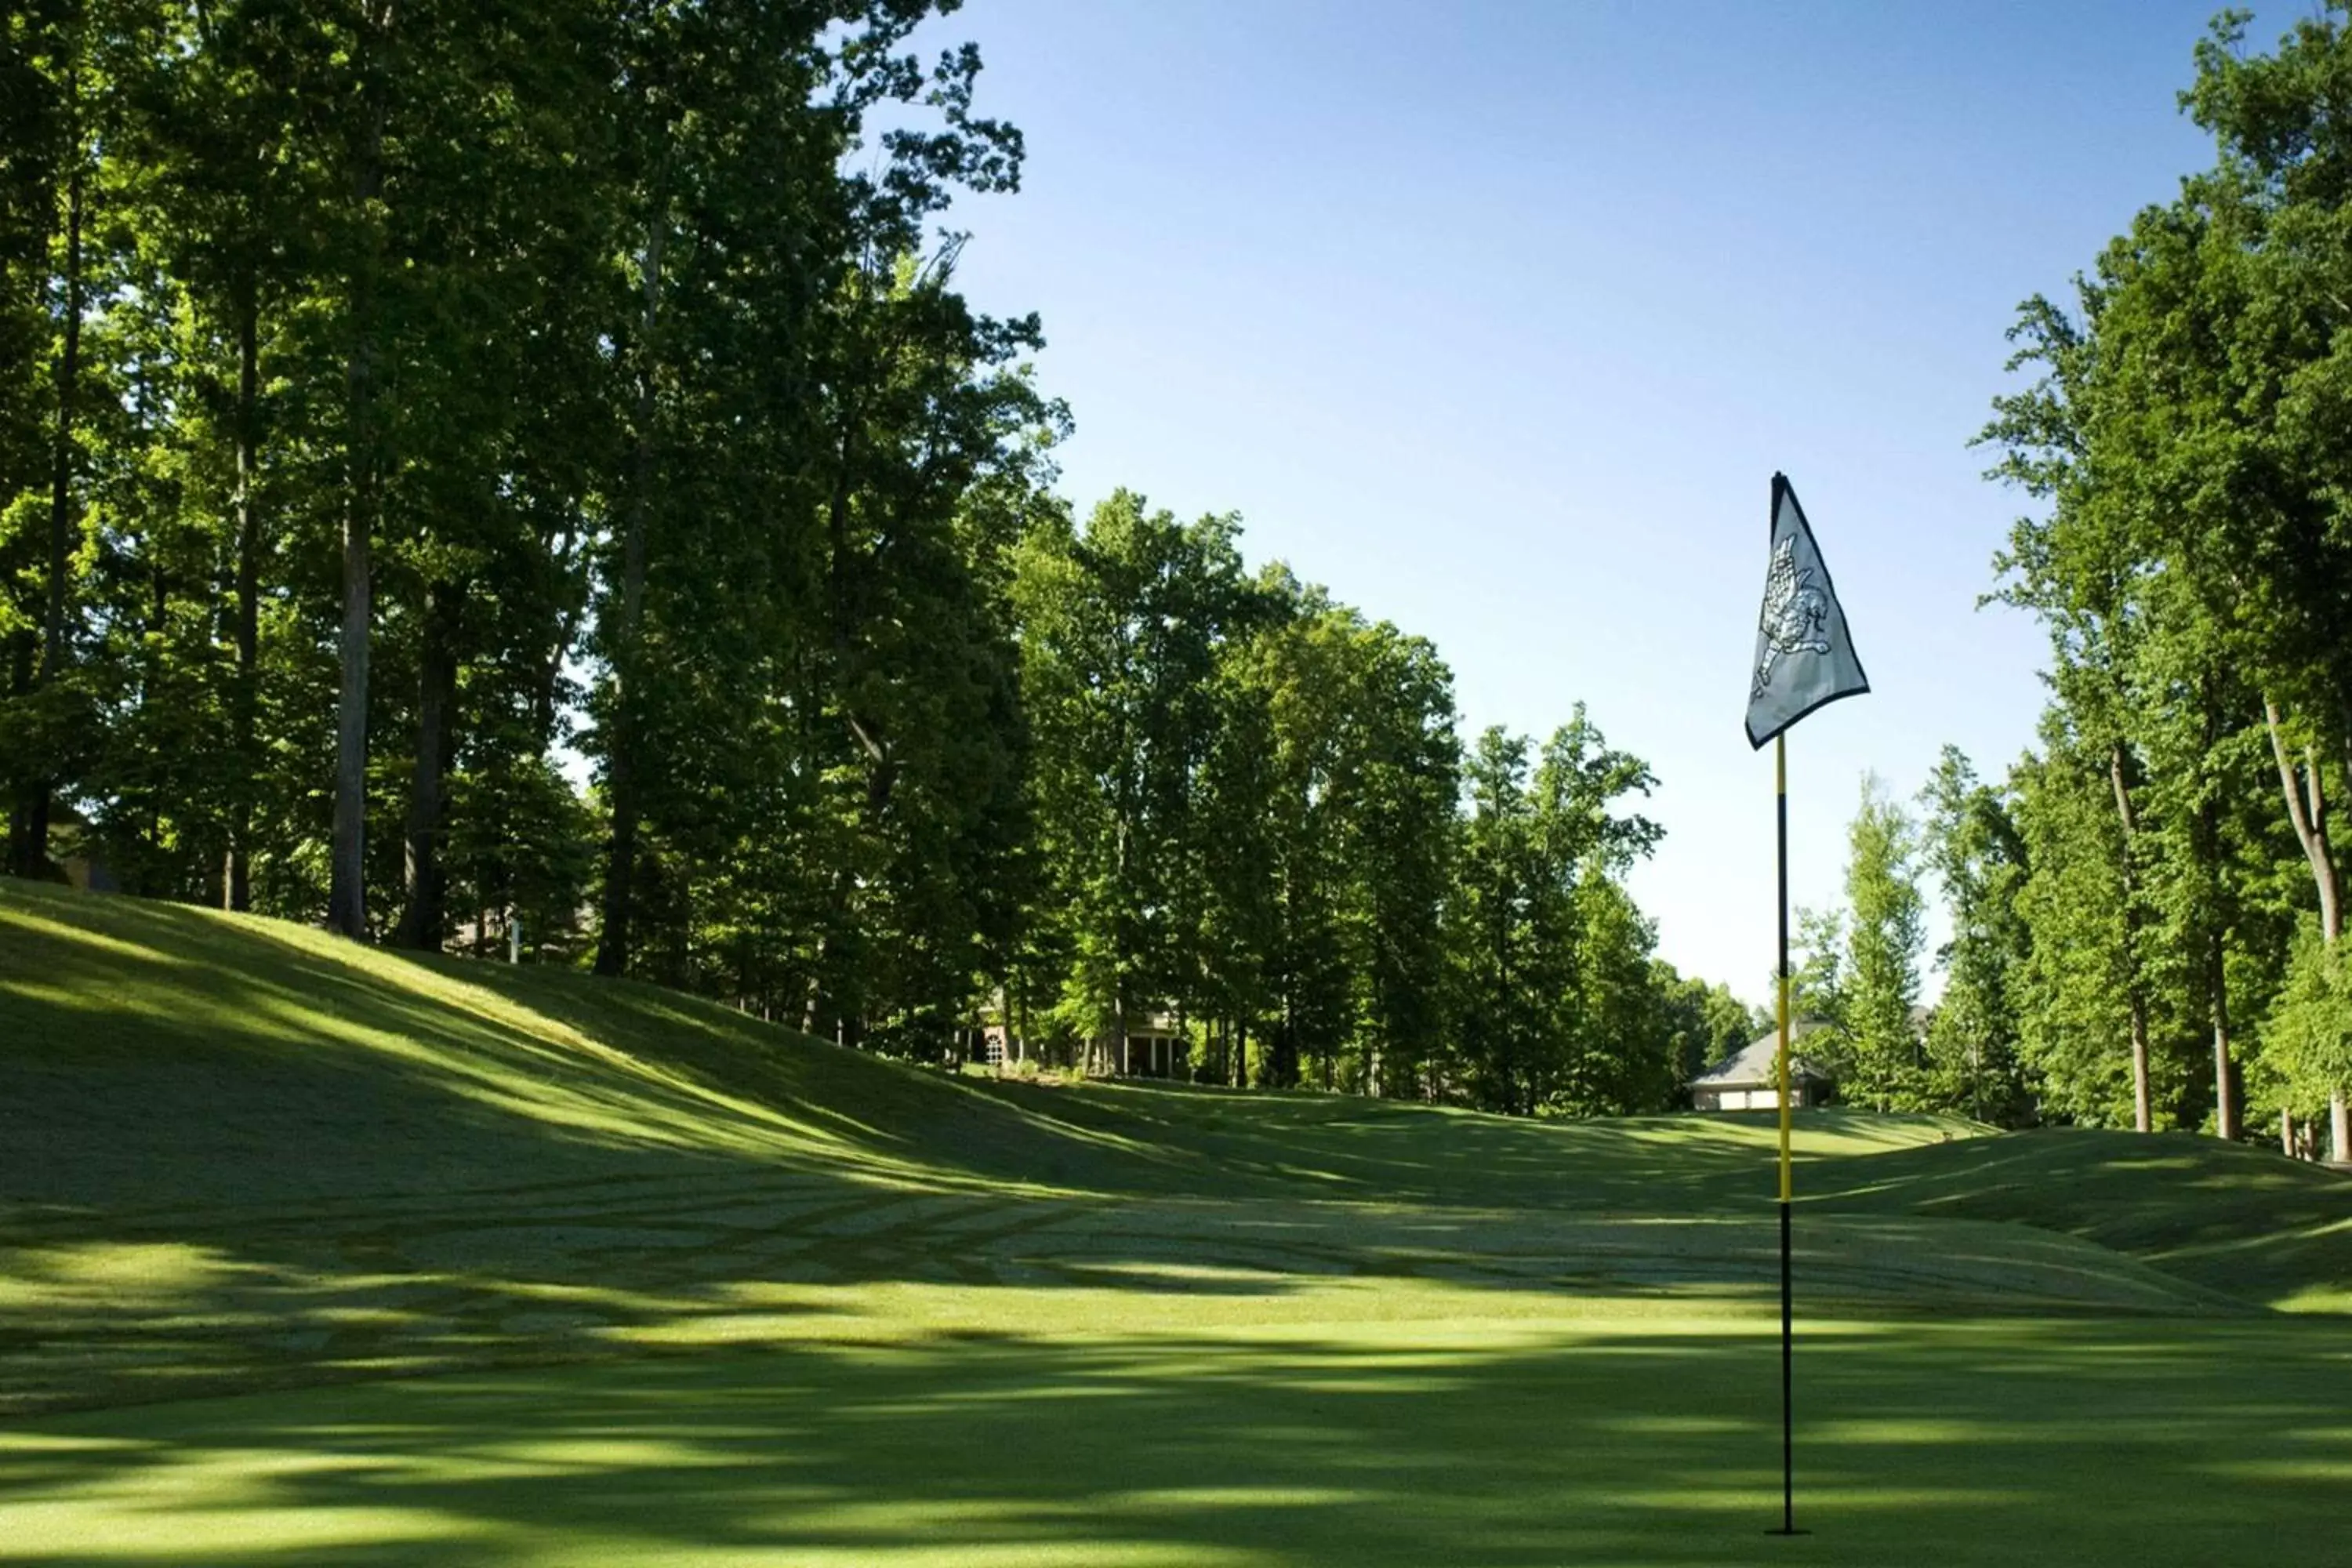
x=157 y=1050
x=1027 y=1323
x=235 y=1152
x=2237 y=1219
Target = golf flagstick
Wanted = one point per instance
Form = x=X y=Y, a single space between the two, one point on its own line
x=1788 y=1294
x=1804 y=658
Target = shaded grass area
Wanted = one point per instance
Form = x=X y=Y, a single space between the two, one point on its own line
x=1536 y=1441
x=156 y=1054
x=699 y=1290
x=237 y=1153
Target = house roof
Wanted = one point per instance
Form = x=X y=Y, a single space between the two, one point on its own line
x=1753 y=1065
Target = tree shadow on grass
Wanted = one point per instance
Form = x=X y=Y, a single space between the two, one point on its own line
x=125 y=1024
x=153 y=1052
x=1348 y=1146
x=187 y=1303
x=239 y=1154
x=2077 y=1442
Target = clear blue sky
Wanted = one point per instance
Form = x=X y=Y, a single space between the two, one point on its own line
x=1497 y=319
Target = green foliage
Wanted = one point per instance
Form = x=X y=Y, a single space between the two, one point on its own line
x=1879 y=1047
x=413 y=411
x=1705 y=1023
x=2309 y=1040
x=1820 y=973
x=2185 y=439
x=1974 y=846
x=1556 y=1007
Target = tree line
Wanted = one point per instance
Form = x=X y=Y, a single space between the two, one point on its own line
x=1253 y=808
x=2147 y=911
x=410 y=410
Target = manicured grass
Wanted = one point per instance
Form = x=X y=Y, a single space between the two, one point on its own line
x=693 y=1290
x=2237 y=1218
x=1456 y=1438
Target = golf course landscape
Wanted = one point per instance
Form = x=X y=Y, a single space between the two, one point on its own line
x=951 y=783
x=319 y=1254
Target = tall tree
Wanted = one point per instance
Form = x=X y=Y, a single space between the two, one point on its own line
x=1885 y=935
x=1973 y=845
x=1537 y=843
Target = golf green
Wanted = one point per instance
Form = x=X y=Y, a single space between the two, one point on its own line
x=1526 y=1436
x=312 y=1254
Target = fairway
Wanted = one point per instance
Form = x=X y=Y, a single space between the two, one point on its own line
x=899 y=784
x=315 y=1254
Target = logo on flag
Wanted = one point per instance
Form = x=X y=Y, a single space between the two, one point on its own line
x=1804 y=656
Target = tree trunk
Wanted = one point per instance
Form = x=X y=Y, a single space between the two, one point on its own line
x=621 y=782
x=23 y=646
x=2143 y=1106
x=236 y=874
x=33 y=847
x=1125 y=871
x=2225 y=1091
x=836 y=918
x=423 y=918
x=347 y=886
x=347 y=868
x=2306 y=811
x=2225 y=1095
x=2286 y=1131
x=550 y=669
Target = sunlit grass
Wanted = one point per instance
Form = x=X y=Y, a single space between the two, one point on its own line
x=1369 y=1441
x=693 y=1290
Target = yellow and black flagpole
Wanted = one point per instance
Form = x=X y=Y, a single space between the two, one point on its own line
x=1787 y=1296
x=1804 y=658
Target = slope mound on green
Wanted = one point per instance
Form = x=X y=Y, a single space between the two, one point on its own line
x=940 y=1320
x=235 y=1152
x=2234 y=1218
x=154 y=1050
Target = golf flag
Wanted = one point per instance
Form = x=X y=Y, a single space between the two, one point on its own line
x=1804 y=657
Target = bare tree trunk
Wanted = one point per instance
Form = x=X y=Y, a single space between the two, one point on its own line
x=2225 y=1092
x=837 y=916
x=32 y=848
x=2306 y=810
x=2286 y=1131
x=236 y=874
x=423 y=918
x=2143 y=1107
x=614 y=932
x=347 y=868
x=2225 y=1095
x=23 y=646
x=347 y=886
x=1118 y=950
